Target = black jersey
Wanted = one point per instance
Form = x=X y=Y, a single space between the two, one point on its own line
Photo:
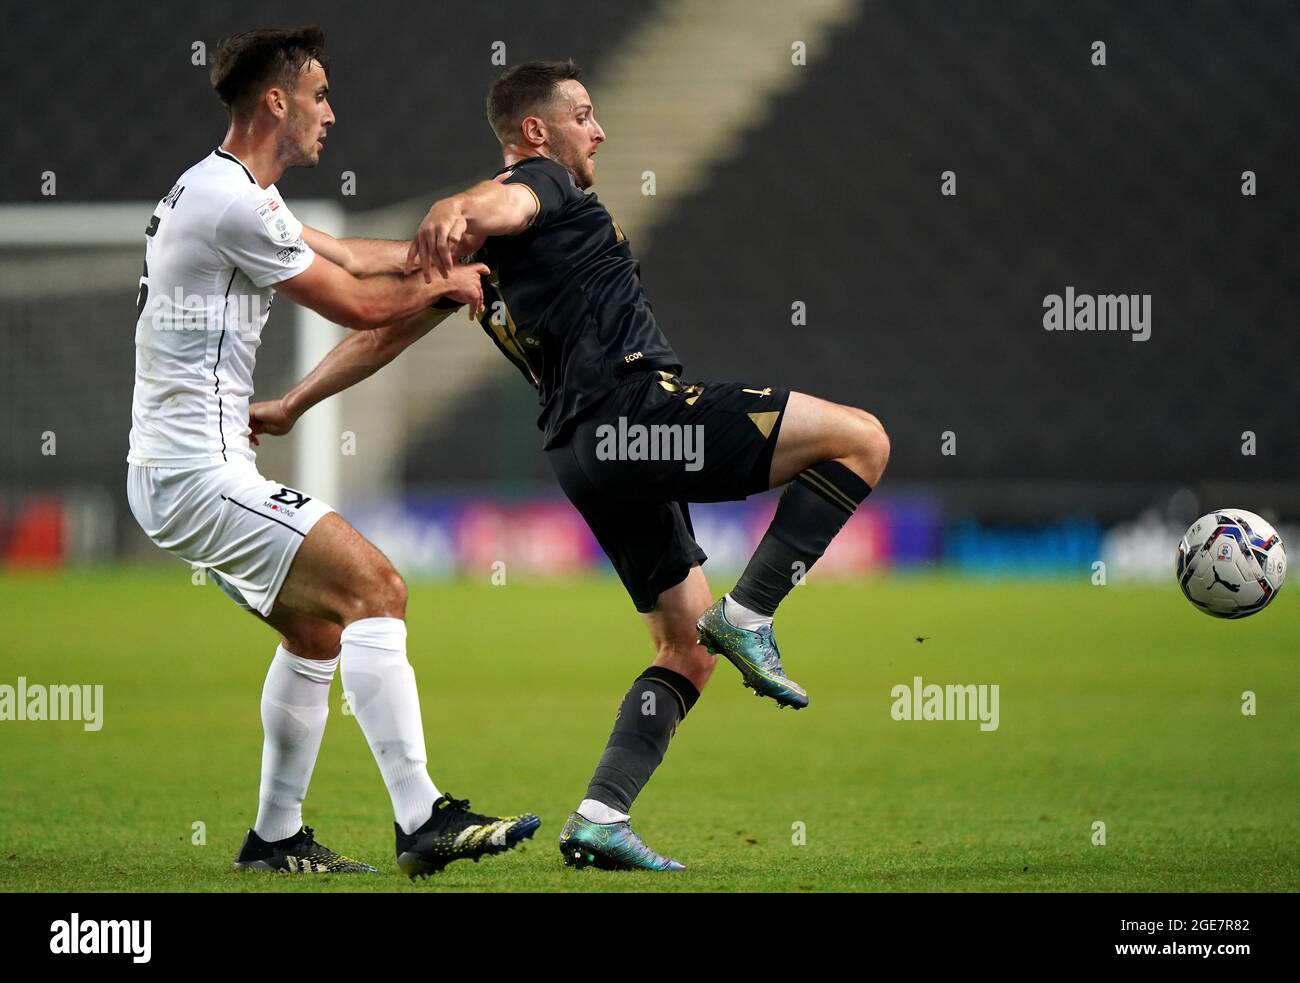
x=565 y=302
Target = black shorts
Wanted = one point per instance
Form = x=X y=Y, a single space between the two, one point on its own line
x=635 y=459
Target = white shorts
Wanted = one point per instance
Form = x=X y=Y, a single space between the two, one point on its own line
x=243 y=529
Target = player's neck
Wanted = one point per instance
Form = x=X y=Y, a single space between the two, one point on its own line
x=254 y=152
x=513 y=155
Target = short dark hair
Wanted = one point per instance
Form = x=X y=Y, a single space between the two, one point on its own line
x=522 y=90
x=248 y=64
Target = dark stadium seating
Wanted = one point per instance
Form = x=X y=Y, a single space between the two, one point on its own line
x=928 y=309
x=407 y=86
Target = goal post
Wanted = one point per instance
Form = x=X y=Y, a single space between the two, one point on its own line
x=318 y=435
x=48 y=245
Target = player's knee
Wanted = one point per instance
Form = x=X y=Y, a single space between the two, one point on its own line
x=870 y=418
x=318 y=640
x=390 y=593
x=866 y=449
x=876 y=444
x=380 y=593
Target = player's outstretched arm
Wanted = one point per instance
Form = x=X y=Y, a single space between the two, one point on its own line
x=358 y=356
x=370 y=302
x=457 y=225
x=360 y=257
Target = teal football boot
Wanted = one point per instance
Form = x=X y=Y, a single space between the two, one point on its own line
x=608 y=846
x=754 y=653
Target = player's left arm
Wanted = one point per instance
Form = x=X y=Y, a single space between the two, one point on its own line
x=358 y=356
x=360 y=257
x=456 y=226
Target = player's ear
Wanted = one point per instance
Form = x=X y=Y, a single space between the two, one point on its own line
x=276 y=101
x=534 y=129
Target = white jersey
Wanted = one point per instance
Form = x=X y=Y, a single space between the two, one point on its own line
x=215 y=247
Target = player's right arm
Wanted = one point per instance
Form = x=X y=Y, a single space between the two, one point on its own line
x=373 y=301
x=360 y=257
x=258 y=234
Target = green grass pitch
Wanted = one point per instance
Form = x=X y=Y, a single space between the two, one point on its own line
x=1120 y=705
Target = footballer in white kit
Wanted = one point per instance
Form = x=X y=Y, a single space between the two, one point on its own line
x=217 y=246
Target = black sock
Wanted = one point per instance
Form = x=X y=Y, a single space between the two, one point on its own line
x=813 y=509
x=646 y=721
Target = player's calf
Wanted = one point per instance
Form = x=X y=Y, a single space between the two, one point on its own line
x=833 y=454
x=832 y=457
x=672 y=629
x=656 y=703
x=598 y=834
x=294 y=710
x=339 y=576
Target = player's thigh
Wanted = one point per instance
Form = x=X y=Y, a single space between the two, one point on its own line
x=672 y=628
x=303 y=635
x=815 y=430
x=244 y=529
x=341 y=576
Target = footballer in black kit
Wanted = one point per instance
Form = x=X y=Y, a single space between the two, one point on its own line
x=565 y=304
x=632 y=442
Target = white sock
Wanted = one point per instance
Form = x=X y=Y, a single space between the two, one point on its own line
x=380 y=684
x=295 y=706
x=598 y=812
x=742 y=617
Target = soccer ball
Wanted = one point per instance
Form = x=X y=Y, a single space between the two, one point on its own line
x=1231 y=563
